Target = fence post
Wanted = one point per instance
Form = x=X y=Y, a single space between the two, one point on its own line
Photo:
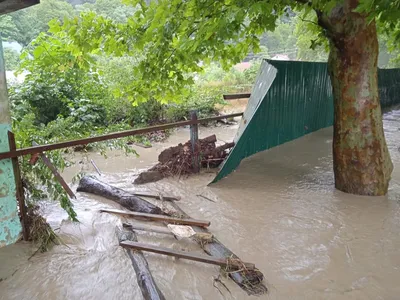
x=19 y=189
x=194 y=139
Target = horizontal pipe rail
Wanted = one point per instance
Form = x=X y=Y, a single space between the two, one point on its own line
x=236 y=96
x=110 y=136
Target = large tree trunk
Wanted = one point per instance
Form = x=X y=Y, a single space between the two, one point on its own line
x=361 y=160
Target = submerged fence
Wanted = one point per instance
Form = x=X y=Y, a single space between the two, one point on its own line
x=299 y=101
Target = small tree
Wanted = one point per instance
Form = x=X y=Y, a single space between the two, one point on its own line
x=174 y=38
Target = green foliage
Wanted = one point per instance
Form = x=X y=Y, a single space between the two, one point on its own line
x=214 y=74
x=113 y=9
x=39 y=179
x=8 y=28
x=38 y=176
x=11 y=59
x=47 y=97
x=29 y=22
x=282 y=40
x=86 y=112
x=311 y=42
x=252 y=72
x=164 y=57
x=173 y=53
x=176 y=39
x=202 y=98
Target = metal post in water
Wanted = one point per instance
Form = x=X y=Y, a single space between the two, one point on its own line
x=10 y=225
x=194 y=139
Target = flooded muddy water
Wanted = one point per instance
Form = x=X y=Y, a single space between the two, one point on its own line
x=279 y=210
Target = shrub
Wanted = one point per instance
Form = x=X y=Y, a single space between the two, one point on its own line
x=203 y=99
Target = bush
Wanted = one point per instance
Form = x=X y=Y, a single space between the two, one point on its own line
x=251 y=73
x=88 y=113
x=203 y=99
x=11 y=59
x=47 y=98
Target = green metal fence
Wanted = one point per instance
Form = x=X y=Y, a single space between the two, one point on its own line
x=299 y=101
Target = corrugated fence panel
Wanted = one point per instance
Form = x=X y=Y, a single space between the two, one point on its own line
x=389 y=87
x=298 y=102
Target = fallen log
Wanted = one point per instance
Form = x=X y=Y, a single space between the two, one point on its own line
x=92 y=185
x=157 y=217
x=145 y=280
x=228 y=263
x=248 y=280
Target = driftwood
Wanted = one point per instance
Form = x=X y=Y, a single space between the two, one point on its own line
x=248 y=280
x=157 y=217
x=231 y=264
x=145 y=280
x=92 y=185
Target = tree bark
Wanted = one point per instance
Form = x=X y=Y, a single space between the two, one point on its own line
x=361 y=159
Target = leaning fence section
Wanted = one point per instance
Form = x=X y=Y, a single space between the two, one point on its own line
x=298 y=102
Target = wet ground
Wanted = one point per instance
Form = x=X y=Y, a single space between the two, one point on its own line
x=279 y=210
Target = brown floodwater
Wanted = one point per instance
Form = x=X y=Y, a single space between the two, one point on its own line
x=279 y=210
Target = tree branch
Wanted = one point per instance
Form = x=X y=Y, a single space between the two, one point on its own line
x=309 y=21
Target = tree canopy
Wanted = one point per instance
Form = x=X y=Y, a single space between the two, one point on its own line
x=26 y=24
x=173 y=39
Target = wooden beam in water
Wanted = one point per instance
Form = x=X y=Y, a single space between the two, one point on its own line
x=148 y=228
x=162 y=197
x=153 y=217
x=187 y=255
x=56 y=174
x=145 y=280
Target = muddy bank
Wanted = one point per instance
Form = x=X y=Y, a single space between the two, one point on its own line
x=279 y=210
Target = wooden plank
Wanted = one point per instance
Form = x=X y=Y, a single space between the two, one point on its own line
x=162 y=197
x=145 y=280
x=148 y=228
x=57 y=175
x=236 y=96
x=186 y=255
x=19 y=189
x=95 y=167
x=153 y=217
x=105 y=137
